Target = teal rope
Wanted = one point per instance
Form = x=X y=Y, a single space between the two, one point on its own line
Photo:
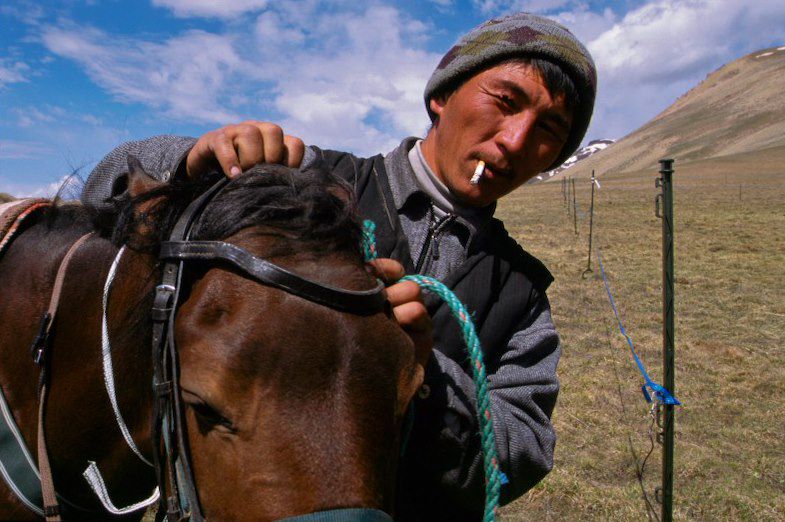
x=494 y=477
x=369 y=240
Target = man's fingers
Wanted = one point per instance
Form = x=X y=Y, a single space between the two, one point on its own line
x=213 y=147
x=223 y=150
x=405 y=292
x=415 y=321
x=249 y=143
x=272 y=142
x=239 y=147
x=413 y=317
x=408 y=308
x=388 y=270
x=294 y=150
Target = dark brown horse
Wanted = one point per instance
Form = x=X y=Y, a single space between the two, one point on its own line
x=292 y=407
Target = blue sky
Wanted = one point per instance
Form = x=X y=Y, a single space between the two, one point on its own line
x=79 y=77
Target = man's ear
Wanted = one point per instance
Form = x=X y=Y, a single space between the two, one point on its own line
x=139 y=181
x=436 y=104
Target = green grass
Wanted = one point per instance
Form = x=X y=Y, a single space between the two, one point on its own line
x=730 y=327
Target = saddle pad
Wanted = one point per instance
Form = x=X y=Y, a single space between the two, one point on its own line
x=13 y=213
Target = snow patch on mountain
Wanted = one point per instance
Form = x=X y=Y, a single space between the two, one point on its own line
x=592 y=148
x=770 y=52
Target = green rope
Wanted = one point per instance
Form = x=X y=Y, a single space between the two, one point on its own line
x=494 y=477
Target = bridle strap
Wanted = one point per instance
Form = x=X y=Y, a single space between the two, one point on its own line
x=362 y=302
x=169 y=430
x=43 y=359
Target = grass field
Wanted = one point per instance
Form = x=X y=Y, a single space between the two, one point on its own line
x=730 y=362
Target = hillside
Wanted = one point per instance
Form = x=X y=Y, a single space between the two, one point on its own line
x=5 y=197
x=737 y=110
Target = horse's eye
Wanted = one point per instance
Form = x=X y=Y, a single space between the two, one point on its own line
x=208 y=418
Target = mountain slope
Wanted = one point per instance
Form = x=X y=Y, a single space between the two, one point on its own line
x=737 y=109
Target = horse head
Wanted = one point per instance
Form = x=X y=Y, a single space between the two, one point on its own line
x=291 y=406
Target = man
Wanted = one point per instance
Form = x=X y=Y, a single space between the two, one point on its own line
x=511 y=99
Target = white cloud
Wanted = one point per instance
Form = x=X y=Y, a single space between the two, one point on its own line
x=587 y=25
x=184 y=76
x=351 y=75
x=12 y=72
x=30 y=116
x=358 y=88
x=673 y=39
x=350 y=79
x=497 y=7
x=25 y=11
x=211 y=8
x=18 y=149
x=67 y=187
x=655 y=53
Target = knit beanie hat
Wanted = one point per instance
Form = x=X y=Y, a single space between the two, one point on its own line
x=529 y=36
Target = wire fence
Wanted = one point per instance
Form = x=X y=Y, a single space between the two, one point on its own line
x=656 y=395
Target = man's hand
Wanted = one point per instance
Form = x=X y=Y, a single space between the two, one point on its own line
x=408 y=308
x=239 y=147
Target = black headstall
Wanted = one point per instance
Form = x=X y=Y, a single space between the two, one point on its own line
x=179 y=494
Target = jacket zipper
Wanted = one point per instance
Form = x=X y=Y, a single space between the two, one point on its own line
x=430 y=250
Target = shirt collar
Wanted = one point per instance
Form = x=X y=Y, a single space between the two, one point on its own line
x=412 y=200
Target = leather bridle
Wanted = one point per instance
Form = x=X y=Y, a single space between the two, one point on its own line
x=169 y=434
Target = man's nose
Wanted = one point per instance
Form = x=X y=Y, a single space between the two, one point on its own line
x=515 y=133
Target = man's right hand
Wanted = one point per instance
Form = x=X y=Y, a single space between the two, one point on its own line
x=239 y=147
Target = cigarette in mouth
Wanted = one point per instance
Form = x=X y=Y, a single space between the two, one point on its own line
x=478 y=172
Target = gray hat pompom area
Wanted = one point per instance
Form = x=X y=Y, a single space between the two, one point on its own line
x=528 y=36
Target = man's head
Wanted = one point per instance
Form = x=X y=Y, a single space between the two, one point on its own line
x=516 y=92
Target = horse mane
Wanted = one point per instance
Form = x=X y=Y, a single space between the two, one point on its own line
x=311 y=207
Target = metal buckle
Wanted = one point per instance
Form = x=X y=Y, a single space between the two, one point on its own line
x=162 y=304
x=39 y=344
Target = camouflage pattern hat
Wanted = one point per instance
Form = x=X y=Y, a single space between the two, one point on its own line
x=522 y=35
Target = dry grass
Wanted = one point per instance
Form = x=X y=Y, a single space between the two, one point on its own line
x=730 y=327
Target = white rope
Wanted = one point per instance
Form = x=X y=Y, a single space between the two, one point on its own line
x=96 y=481
x=107 y=360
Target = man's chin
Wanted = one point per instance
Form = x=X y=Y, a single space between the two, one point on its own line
x=476 y=197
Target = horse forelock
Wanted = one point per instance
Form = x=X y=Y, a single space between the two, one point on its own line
x=312 y=208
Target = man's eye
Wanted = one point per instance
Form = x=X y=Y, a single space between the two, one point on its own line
x=553 y=131
x=505 y=100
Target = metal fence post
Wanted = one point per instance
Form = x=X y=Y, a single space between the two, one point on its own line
x=574 y=207
x=666 y=213
x=591 y=226
x=564 y=190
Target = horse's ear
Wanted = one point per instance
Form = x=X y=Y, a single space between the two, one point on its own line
x=139 y=181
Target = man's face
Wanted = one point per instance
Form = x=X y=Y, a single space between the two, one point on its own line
x=504 y=116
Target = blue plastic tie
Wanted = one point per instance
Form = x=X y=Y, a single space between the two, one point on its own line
x=662 y=395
